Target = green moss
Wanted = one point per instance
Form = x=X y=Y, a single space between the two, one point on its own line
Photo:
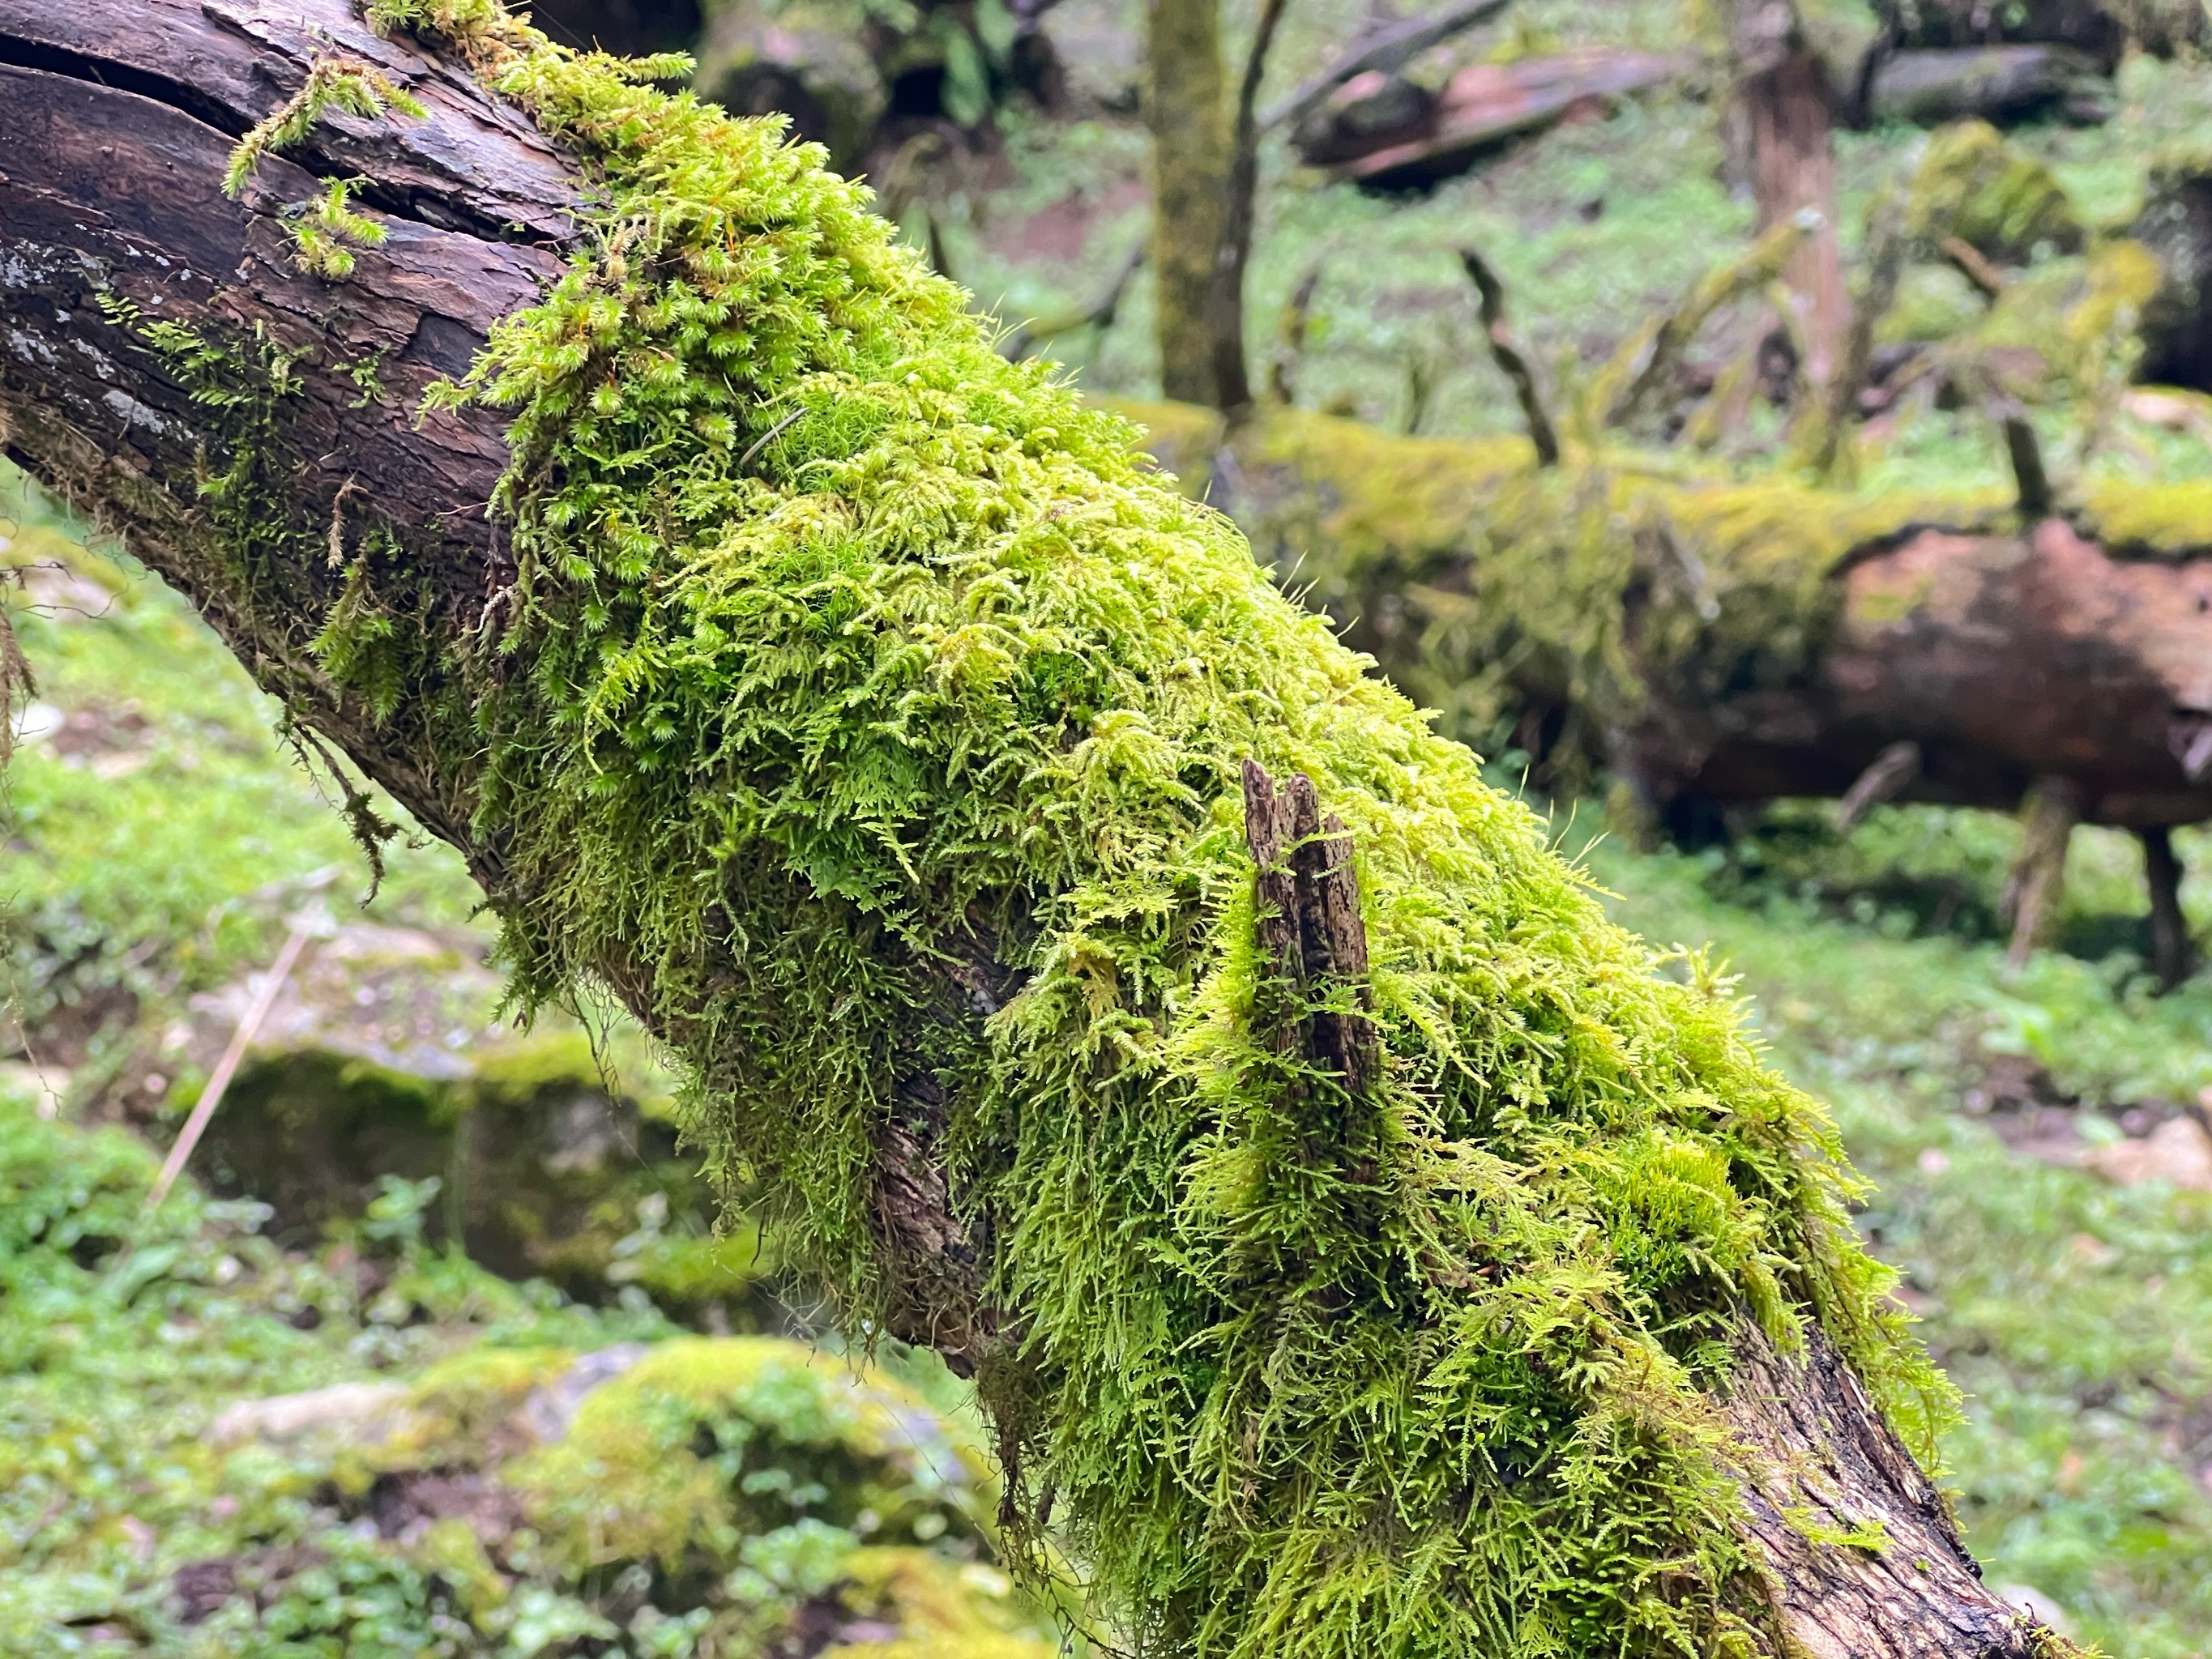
x=1973 y=185
x=707 y=1443
x=1484 y=583
x=2148 y=520
x=836 y=641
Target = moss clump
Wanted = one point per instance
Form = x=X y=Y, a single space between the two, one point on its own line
x=838 y=643
x=708 y=1443
x=1974 y=185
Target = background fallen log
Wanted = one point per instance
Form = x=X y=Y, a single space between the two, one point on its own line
x=1992 y=83
x=1720 y=643
x=1388 y=135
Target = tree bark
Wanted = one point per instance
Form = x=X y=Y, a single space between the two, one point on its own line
x=115 y=118
x=1186 y=111
x=1783 y=91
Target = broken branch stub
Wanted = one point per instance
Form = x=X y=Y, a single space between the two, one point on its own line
x=1310 y=928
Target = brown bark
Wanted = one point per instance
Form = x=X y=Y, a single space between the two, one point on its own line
x=1783 y=92
x=116 y=116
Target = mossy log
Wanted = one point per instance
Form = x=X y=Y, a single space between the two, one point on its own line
x=1718 y=641
x=875 y=729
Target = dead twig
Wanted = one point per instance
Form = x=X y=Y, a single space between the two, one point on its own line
x=272 y=984
x=1491 y=295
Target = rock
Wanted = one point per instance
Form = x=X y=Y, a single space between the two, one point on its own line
x=1996 y=83
x=2177 y=1152
x=1974 y=185
x=350 y=1411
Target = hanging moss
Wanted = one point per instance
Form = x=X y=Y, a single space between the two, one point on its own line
x=837 y=642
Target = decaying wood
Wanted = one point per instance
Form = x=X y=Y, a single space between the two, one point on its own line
x=115 y=118
x=1382 y=52
x=1310 y=923
x=1480 y=109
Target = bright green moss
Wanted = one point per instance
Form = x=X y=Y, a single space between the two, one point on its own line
x=837 y=642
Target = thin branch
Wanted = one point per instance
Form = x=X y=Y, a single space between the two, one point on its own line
x=1885 y=778
x=1975 y=267
x=1098 y=314
x=1227 y=299
x=1508 y=357
x=1388 y=49
x=272 y=984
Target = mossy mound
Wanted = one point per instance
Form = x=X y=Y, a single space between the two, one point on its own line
x=839 y=645
x=1974 y=185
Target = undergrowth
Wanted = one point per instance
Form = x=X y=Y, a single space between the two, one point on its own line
x=840 y=650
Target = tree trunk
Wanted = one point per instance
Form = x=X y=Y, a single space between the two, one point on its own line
x=1782 y=89
x=301 y=476
x=1186 y=110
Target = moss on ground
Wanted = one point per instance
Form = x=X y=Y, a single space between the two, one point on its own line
x=838 y=642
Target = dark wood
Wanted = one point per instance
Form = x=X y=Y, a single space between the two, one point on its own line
x=116 y=118
x=2173 y=954
x=1885 y=778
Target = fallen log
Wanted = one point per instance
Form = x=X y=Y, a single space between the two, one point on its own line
x=943 y=900
x=1992 y=83
x=1428 y=139
x=1720 y=642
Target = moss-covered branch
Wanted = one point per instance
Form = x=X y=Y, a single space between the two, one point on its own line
x=859 y=707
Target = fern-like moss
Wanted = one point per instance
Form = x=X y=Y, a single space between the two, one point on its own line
x=837 y=643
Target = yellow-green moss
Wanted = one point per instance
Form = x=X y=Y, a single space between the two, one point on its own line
x=706 y=1442
x=837 y=643
x=2155 y=520
x=1973 y=185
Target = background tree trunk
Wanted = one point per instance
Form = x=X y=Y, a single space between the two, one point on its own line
x=1186 y=110
x=115 y=119
x=1783 y=93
